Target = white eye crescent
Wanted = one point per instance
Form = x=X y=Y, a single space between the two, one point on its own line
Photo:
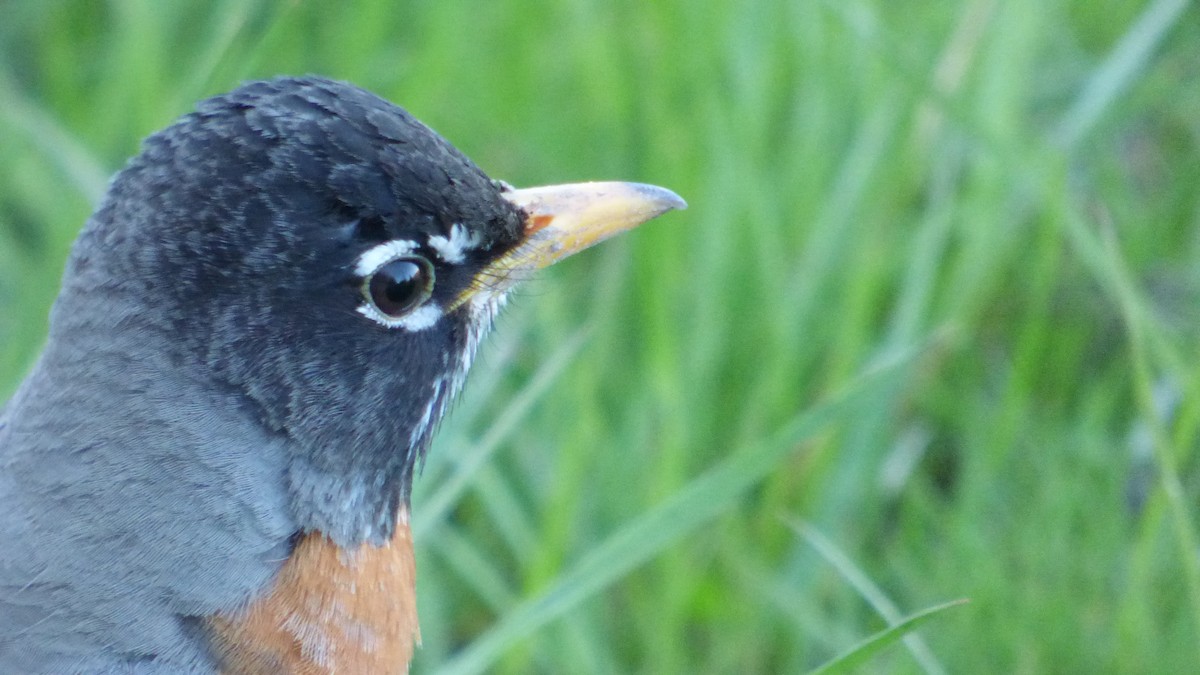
x=396 y=287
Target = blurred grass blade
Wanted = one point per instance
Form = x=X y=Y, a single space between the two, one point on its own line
x=431 y=511
x=698 y=502
x=872 y=593
x=227 y=36
x=1115 y=75
x=1103 y=256
x=865 y=650
x=62 y=149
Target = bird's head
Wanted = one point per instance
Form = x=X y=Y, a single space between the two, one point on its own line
x=334 y=263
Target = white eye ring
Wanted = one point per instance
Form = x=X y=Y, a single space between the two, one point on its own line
x=417 y=320
x=378 y=256
x=411 y=313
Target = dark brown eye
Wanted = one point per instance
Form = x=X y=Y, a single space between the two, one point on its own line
x=400 y=286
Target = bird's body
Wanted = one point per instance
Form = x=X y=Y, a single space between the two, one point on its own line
x=208 y=468
x=353 y=608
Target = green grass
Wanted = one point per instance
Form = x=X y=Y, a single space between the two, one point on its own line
x=937 y=295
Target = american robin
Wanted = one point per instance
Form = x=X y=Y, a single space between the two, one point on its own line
x=208 y=469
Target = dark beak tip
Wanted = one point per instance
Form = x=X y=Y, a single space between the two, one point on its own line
x=664 y=199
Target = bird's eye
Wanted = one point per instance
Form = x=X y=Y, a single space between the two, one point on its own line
x=399 y=286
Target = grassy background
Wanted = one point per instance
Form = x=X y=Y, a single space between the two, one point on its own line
x=929 y=329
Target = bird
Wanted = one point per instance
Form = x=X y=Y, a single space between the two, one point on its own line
x=208 y=467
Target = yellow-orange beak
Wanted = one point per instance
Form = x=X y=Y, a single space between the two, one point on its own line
x=561 y=220
x=564 y=219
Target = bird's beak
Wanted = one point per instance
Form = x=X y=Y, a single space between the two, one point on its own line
x=561 y=220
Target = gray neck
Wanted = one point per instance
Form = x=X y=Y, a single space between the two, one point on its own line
x=129 y=488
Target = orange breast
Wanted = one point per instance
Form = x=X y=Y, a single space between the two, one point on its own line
x=331 y=610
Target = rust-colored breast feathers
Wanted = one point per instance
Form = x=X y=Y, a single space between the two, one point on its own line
x=330 y=610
